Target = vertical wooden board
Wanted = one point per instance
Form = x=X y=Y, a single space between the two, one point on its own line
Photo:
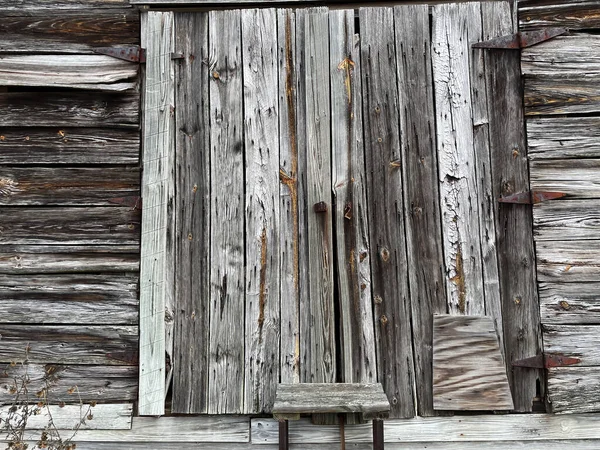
x=290 y=199
x=319 y=316
x=459 y=190
x=350 y=214
x=226 y=357
x=514 y=229
x=423 y=223
x=192 y=209
x=386 y=210
x=261 y=118
x=156 y=277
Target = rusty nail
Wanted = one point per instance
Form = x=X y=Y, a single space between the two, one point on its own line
x=320 y=207
x=564 y=305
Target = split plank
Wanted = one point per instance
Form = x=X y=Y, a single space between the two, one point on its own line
x=570 y=303
x=386 y=210
x=357 y=333
x=423 y=223
x=54 y=344
x=69 y=146
x=563 y=137
x=577 y=341
x=578 y=178
x=567 y=220
x=574 y=14
x=568 y=261
x=73 y=299
x=192 y=277
x=550 y=96
x=574 y=389
x=226 y=354
x=70 y=109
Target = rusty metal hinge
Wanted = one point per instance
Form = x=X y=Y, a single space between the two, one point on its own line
x=521 y=40
x=531 y=197
x=131 y=53
x=134 y=201
x=546 y=360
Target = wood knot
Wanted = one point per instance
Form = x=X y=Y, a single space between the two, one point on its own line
x=8 y=187
x=383 y=320
x=384 y=253
x=378 y=300
x=564 y=305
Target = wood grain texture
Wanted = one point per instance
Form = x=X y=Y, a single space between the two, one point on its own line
x=421 y=195
x=574 y=14
x=451 y=38
x=568 y=261
x=70 y=109
x=62 y=299
x=357 y=349
x=67 y=31
x=226 y=354
x=386 y=210
x=569 y=303
x=576 y=177
x=577 y=341
x=157 y=252
x=563 y=137
x=574 y=390
x=19 y=6
x=69 y=146
x=259 y=41
x=192 y=209
x=77 y=344
x=468 y=367
x=551 y=96
x=567 y=220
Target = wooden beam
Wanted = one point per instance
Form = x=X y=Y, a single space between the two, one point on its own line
x=36 y=5
x=567 y=220
x=563 y=137
x=575 y=177
x=568 y=261
x=575 y=14
x=570 y=303
x=574 y=390
x=577 y=341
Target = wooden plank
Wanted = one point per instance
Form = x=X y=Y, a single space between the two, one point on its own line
x=577 y=341
x=24 y=186
x=550 y=96
x=386 y=212
x=70 y=109
x=20 y=6
x=570 y=303
x=226 y=355
x=93 y=383
x=56 y=344
x=62 y=299
x=97 y=72
x=568 y=261
x=451 y=39
x=468 y=367
x=317 y=322
x=349 y=187
x=574 y=14
x=578 y=178
x=259 y=37
x=574 y=389
x=563 y=137
x=67 y=31
x=192 y=278
x=423 y=223
x=69 y=417
x=69 y=225
x=157 y=252
x=69 y=146
x=567 y=220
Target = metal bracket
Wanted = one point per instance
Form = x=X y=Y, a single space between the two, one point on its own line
x=545 y=361
x=531 y=197
x=521 y=40
x=133 y=53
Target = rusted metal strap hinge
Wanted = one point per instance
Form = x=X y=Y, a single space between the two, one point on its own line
x=531 y=197
x=132 y=53
x=546 y=360
x=521 y=40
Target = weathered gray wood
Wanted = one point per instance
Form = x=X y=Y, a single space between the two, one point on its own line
x=77 y=344
x=423 y=224
x=567 y=220
x=81 y=226
x=192 y=278
x=97 y=72
x=94 y=383
x=349 y=187
x=578 y=341
x=20 y=6
x=570 y=303
x=386 y=210
x=468 y=367
x=259 y=53
x=568 y=261
x=574 y=389
x=226 y=357
x=67 y=31
x=452 y=30
x=548 y=96
x=61 y=299
x=574 y=14
x=367 y=399
x=70 y=109
x=318 y=320
x=563 y=137
x=578 y=178
x=69 y=146
x=157 y=252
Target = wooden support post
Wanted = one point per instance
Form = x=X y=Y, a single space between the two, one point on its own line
x=283 y=435
x=378 y=434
